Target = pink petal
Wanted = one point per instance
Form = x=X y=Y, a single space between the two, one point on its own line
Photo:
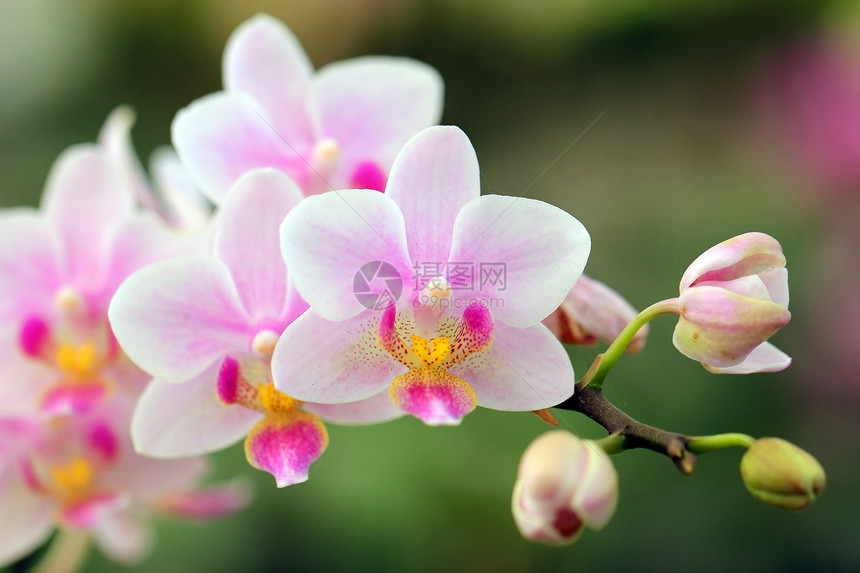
x=378 y=408
x=86 y=513
x=141 y=240
x=524 y=369
x=73 y=398
x=115 y=139
x=372 y=105
x=333 y=362
x=221 y=137
x=246 y=239
x=328 y=239
x=24 y=380
x=185 y=207
x=85 y=199
x=265 y=61
x=745 y=254
x=526 y=255
x=30 y=264
x=188 y=419
x=124 y=536
x=285 y=444
x=149 y=479
x=26 y=520
x=177 y=317
x=434 y=176
x=764 y=358
x=209 y=502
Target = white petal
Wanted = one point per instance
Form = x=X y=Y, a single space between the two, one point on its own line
x=526 y=255
x=188 y=419
x=434 y=176
x=177 y=317
x=328 y=239
x=333 y=362
x=524 y=369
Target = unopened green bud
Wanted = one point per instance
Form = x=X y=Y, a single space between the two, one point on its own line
x=778 y=473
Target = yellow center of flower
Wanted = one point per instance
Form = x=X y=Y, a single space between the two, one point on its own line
x=433 y=353
x=73 y=480
x=273 y=400
x=79 y=362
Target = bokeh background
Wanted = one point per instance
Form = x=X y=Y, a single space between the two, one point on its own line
x=718 y=118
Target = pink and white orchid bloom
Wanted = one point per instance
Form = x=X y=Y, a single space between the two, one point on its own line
x=61 y=265
x=339 y=128
x=205 y=326
x=477 y=276
x=80 y=472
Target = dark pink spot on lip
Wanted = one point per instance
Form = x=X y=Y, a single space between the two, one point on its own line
x=567 y=523
x=103 y=441
x=228 y=381
x=368 y=175
x=34 y=334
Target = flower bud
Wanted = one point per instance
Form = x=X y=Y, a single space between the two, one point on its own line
x=563 y=484
x=778 y=473
x=592 y=311
x=734 y=297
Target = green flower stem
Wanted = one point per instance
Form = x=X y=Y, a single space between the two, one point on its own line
x=702 y=444
x=66 y=553
x=613 y=443
x=604 y=362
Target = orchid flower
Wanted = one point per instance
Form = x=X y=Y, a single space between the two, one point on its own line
x=338 y=128
x=80 y=472
x=205 y=326
x=61 y=265
x=429 y=290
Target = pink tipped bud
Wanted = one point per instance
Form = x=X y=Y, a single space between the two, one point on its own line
x=733 y=298
x=592 y=311
x=563 y=484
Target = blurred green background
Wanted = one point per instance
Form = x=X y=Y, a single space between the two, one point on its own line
x=679 y=161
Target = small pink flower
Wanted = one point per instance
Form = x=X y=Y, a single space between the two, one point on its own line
x=563 y=484
x=81 y=472
x=734 y=297
x=339 y=128
x=592 y=311
x=463 y=283
x=61 y=265
x=205 y=326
